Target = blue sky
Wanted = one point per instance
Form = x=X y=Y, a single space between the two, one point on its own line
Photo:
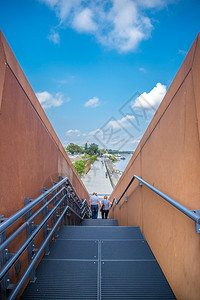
x=100 y=68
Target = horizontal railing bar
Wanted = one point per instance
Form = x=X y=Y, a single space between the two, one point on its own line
x=6 y=224
x=21 y=228
x=180 y=207
x=78 y=206
x=28 y=270
x=11 y=262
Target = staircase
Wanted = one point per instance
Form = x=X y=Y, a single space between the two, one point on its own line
x=99 y=260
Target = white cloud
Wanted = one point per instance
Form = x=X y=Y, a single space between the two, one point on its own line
x=54 y=37
x=153 y=3
x=94 y=102
x=83 y=21
x=116 y=24
x=123 y=122
x=72 y=132
x=152 y=99
x=47 y=100
x=78 y=137
x=96 y=131
x=64 y=8
x=125 y=27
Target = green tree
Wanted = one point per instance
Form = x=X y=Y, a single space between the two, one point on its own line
x=86 y=147
x=90 y=151
x=103 y=150
x=80 y=166
x=94 y=147
x=73 y=148
x=81 y=149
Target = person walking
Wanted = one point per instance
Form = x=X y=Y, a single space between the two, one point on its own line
x=105 y=206
x=94 y=205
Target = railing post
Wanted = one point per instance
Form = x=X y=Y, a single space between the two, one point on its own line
x=70 y=219
x=66 y=202
x=31 y=247
x=55 y=200
x=45 y=228
x=61 y=205
x=67 y=218
x=6 y=280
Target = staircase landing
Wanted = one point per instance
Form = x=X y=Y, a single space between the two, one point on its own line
x=99 y=262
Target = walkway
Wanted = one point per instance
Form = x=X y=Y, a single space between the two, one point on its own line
x=96 y=181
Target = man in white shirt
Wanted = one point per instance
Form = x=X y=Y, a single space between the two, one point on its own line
x=94 y=205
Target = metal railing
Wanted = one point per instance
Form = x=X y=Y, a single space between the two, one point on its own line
x=192 y=214
x=109 y=175
x=65 y=206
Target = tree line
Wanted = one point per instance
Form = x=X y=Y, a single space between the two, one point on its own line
x=92 y=149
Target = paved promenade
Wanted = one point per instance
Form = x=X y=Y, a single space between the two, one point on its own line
x=95 y=180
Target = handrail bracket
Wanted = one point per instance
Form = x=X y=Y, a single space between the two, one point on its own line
x=197 y=223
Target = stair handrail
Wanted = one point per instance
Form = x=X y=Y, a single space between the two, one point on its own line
x=20 y=213
x=62 y=199
x=192 y=214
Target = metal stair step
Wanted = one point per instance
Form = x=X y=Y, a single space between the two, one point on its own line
x=64 y=280
x=99 y=222
x=99 y=262
x=73 y=249
x=133 y=280
x=98 y=232
x=126 y=249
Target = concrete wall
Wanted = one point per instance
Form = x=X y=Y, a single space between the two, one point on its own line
x=168 y=157
x=31 y=155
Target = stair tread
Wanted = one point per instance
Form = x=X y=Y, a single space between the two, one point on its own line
x=99 y=262
x=99 y=222
x=100 y=232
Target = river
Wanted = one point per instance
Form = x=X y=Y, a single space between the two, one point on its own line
x=122 y=163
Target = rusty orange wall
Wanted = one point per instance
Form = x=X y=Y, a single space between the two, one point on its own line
x=168 y=157
x=31 y=155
